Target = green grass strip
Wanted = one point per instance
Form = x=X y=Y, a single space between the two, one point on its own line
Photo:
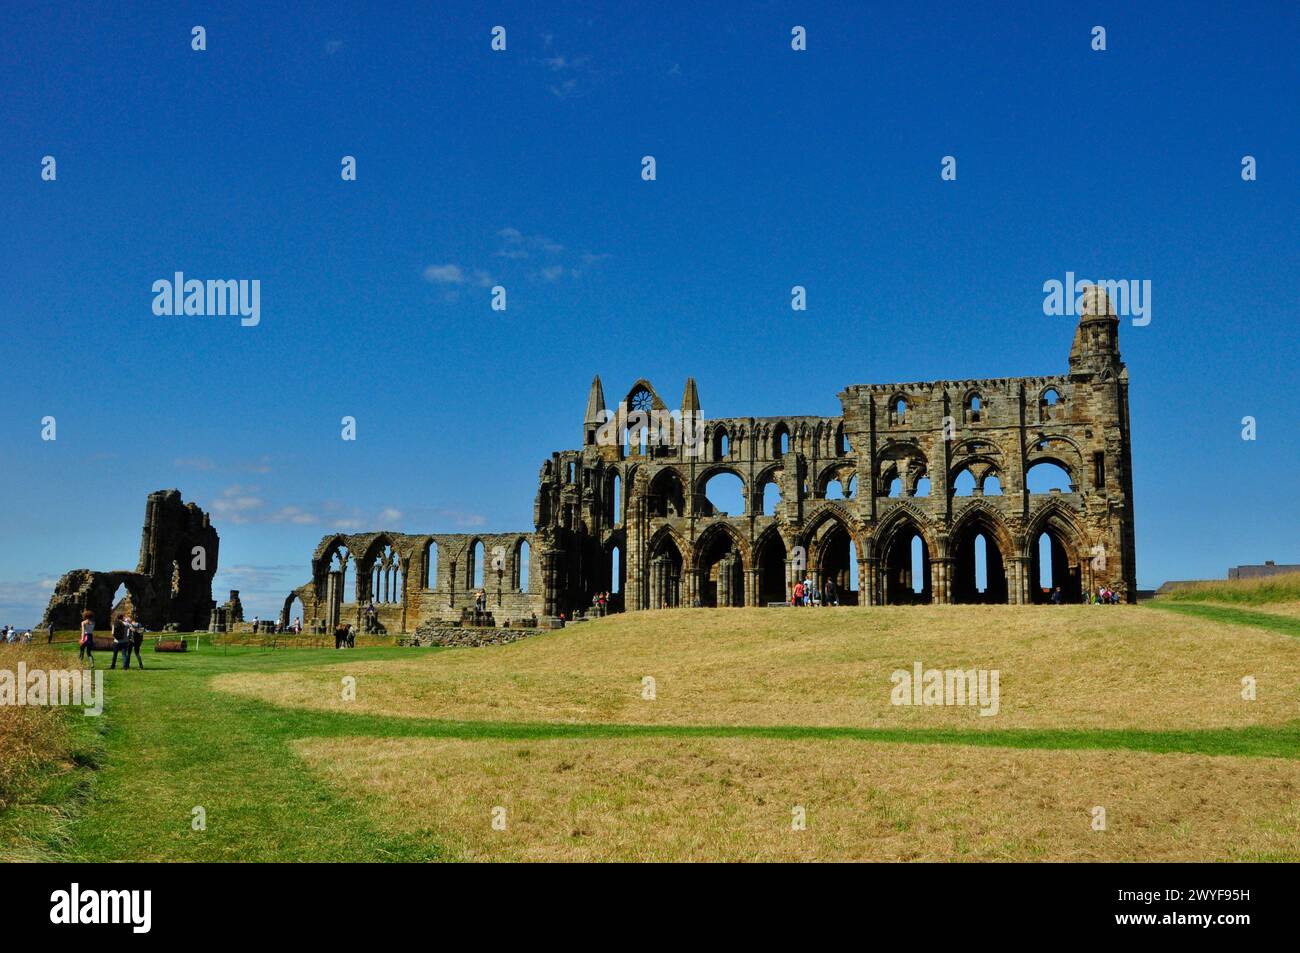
x=1231 y=615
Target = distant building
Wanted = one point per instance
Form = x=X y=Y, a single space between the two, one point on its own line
x=1269 y=568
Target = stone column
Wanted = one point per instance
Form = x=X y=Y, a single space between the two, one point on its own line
x=1018 y=584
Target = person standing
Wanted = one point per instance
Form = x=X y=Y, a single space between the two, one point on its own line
x=832 y=597
x=1056 y=596
x=86 y=644
x=137 y=640
x=121 y=642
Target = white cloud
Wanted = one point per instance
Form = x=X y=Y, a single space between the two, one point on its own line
x=445 y=274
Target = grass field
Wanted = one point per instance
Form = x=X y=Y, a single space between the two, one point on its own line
x=549 y=748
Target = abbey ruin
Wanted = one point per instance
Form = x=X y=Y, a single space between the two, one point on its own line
x=171 y=586
x=911 y=495
x=892 y=500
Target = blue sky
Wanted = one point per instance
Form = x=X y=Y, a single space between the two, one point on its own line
x=522 y=168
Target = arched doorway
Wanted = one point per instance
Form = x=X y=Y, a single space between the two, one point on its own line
x=1055 y=560
x=616 y=577
x=905 y=566
x=721 y=569
x=293 y=611
x=665 y=576
x=771 y=559
x=979 y=570
x=833 y=553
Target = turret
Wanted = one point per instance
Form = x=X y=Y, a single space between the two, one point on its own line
x=1096 y=341
x=596 y=413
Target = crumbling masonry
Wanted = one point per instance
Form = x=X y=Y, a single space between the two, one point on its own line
x=172 y=582
x=871 y=499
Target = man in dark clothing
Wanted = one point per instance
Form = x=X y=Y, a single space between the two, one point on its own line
x=121 y=642
x=137 y=640
x=829 y=595
x=50 y=631
x=1056 y=596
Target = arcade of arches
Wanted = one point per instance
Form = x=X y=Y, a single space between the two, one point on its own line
x=997 y=490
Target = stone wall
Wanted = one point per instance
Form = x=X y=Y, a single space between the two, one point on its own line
x=473 y=636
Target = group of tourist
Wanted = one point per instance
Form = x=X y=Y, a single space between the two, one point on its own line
x=345 y=636
x=128 y=636
x=1104 y=597
x=14 y=637
x=274 y=628
x=807 y=594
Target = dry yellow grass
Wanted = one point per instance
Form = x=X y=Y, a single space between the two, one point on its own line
x=32 y=737
x=733 y=799
x=1061 y=667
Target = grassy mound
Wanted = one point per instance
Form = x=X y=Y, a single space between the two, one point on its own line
x=1270 y=589
x=1061 y=667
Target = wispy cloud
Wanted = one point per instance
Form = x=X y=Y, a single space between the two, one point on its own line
x=244 y=505
x=543 y=258
x=195 y=463
x=23 y=602
x=453 y=279
x=565 y=70
x=516 y=245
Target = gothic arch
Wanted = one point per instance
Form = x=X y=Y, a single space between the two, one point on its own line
x=771 y=554
x=897 y=575
x=975 y=520
x=1067 y=547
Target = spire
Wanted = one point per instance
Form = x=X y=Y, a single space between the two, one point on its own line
x=690 y=399
x=596 y=413
x=595 y=404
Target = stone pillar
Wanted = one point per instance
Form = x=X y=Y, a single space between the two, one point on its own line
x=869 y=581
x=752 y=587
x=657 y=583
x=1018 y=584
x=550 y=595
